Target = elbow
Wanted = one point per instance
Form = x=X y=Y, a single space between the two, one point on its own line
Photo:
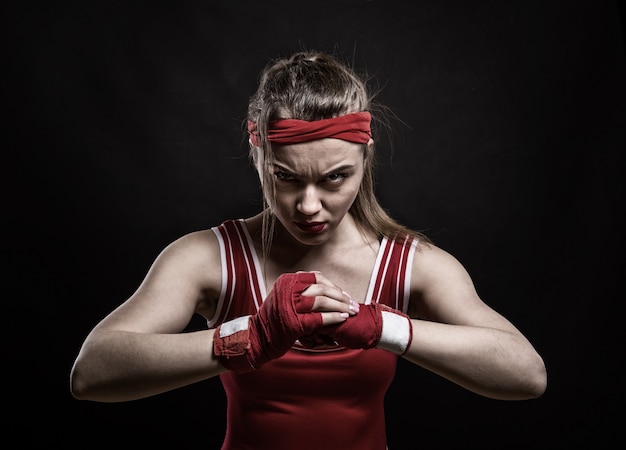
x=538 y=379
x=88 y=378
x=527 y=380
x=83 y=387
x=535 y=379
x=85 y=382
x=78 y=386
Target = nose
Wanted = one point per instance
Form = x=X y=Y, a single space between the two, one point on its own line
x=309 y=202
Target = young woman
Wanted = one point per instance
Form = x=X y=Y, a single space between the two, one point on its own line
x=310 y=302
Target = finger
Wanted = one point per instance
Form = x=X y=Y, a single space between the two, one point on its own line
x=307 y=303
x=332 y=318
x=327 y=297
x=326 y=304
x=323 y=280
x=302 y=302
x=325 y=290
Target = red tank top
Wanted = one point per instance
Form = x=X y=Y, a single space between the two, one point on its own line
x=308 y=399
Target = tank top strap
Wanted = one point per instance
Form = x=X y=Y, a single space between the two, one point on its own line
x=240 y=268
x=392 y=272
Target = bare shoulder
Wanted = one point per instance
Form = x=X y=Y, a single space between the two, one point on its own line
x=432 y=263
x=196 y=256
x=435 y=270
x=187 y=271
x=442 y=290
x=197 y=244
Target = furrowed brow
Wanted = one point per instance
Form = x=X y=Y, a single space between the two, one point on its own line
x=283 y=169
x=341 y=168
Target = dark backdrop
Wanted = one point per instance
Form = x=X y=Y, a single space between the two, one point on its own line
x=124 y=132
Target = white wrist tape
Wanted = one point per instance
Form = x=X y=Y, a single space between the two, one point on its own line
x=397 y=333
x=233 y=326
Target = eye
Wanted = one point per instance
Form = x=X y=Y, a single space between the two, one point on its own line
x=336 y=177
x=283 y=176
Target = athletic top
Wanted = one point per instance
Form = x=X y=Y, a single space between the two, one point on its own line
x=309 y=399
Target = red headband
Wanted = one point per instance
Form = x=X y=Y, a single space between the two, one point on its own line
x=353 y=127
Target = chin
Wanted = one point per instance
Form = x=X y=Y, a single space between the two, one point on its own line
x=305 y=238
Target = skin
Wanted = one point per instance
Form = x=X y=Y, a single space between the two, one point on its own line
x=138 y=351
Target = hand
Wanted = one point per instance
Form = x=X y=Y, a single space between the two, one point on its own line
x=288 y=312
x=375 y=326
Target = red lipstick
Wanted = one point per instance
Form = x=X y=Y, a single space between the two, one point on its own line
x=311 y=227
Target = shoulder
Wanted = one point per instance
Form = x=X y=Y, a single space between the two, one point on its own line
x=437 y=278
x=431 y=258
x=432 y=265
x=193 y=258
x=197 y=245
x=198 y=253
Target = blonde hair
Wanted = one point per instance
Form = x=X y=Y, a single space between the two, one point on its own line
x=312 y=86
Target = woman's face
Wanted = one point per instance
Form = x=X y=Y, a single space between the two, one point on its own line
x=316 y=184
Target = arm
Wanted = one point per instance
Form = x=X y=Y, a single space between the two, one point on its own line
x=462 y=339
x=138 y=350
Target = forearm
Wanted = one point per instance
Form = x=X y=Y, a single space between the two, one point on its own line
x=490 y=362
x=115 y=366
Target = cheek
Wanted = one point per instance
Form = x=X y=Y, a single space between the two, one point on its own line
x=280 y=202
x=343 y=200
x=353 y=191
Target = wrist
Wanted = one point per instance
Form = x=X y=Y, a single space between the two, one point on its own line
x=397 y=332
x=231 y=344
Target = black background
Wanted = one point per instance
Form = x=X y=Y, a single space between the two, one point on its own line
x=123 y=132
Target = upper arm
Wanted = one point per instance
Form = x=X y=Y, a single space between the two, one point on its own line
x=443 y=291
x=184 y=279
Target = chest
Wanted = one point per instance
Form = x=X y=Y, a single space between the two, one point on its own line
x=349 y=269
x=379 y=272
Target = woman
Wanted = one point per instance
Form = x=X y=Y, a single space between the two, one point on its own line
x=310 y=302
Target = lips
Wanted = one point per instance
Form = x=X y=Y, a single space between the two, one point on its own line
x=311 y=227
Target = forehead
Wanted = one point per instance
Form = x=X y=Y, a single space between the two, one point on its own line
x=318 y=156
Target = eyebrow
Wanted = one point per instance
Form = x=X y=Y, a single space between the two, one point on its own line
x=334 y=170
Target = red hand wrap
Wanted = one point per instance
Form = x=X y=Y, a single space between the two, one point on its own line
x=244 y=344
x=366 y=329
